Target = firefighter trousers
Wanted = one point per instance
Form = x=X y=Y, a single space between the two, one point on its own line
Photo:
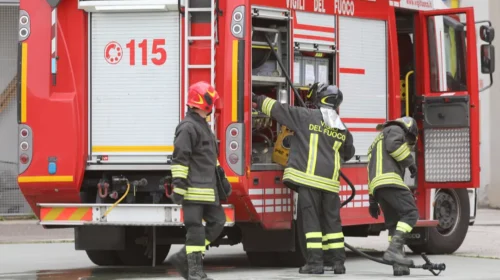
x=198 y=236
x=399 y=208
x=322 y=226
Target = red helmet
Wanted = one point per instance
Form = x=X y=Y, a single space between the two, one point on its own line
x=203 y=96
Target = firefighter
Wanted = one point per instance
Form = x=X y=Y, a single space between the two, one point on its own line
x=320 y=143
x=194 y=180
x=389 y=155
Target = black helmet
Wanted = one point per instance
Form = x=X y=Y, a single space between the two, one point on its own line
x=329 y=96
x=408 y=124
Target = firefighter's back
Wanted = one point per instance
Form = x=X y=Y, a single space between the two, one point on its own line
x=315 y=153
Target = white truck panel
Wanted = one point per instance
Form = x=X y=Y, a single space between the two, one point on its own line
x=134 y=108
x=313 y=28
x=363 y=78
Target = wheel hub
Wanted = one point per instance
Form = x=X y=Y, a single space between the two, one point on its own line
x=446 y=212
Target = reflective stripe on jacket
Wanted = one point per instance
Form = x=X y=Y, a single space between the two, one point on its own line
x=388 y=157
x=195 y=159
x=316 y=150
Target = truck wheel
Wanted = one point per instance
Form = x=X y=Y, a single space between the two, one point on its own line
x=133 y=255
x=103 y=258
x=452 y=208
x=263 y=259
x=296 y=258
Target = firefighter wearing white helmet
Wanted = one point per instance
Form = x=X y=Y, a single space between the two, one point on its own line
x=389 y=156
x=320 y=143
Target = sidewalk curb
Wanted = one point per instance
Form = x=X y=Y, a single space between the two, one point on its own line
x=49 y=241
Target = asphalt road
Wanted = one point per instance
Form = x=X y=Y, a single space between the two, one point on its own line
x=478 y=258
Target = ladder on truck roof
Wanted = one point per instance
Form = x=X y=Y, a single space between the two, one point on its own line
x=188 y=39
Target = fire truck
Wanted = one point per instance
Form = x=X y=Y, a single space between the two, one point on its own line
x=103 y=84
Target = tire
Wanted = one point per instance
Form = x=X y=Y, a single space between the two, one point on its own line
x=103 y=258
x=295 y=258
x=298 y=257
x=452 y=211
x=133 y=255
x=263 y=259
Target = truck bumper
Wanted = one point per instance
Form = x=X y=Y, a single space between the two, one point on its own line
x=79 y=214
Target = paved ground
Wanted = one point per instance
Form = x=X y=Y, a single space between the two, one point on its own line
x=61 y=261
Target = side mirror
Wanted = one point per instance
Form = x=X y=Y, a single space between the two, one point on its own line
x=487 y=59
x=487 y=33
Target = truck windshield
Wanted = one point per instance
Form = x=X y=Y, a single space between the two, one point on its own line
x=447 y=49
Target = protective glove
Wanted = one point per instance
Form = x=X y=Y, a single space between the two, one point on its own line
x=373 y=209
x=413 y=170
x=254 y=97
x=181 y=184
x=177 y=198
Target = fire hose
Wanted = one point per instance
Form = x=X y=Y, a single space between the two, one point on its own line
x=435 y=269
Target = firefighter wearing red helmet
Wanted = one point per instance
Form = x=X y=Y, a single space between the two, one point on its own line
x=389 y=156
x=319 y=145
x=194 y=180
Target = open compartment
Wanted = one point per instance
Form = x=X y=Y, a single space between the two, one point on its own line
x=268 y=79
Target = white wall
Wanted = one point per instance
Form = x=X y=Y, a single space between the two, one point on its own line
x=493 y=190
x=488 y=193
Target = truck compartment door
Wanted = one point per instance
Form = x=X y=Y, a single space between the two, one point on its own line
x=448 y=110
x=134 y=102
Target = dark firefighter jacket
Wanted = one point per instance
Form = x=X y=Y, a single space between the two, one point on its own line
x=316 y=150
x=195 y=160
x=388 y=157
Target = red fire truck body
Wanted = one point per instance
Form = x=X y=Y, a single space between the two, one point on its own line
x=103 y=85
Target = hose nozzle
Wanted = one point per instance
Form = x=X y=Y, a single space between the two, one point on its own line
x=434 y=268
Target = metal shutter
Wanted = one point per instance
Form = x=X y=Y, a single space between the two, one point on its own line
x=134 y=109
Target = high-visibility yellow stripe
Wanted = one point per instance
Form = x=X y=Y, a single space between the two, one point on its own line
x=401 y=153
x=314 y=245
x=267 y=106
x=179 y=171
x=331 y=236
x=379 y=158
x=44 y=179
x=316 y=234
x=194 y=249
x=313 y=154
x=234 y=83
x=404 y=227
x=336 y=148
x=311 y=180
x=24 y=76
x=132 y=149
x=180 y=191
x=337 y=245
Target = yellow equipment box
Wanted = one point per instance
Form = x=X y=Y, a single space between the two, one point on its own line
x=282 y=146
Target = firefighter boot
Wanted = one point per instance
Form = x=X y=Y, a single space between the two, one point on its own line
x=179 y=260
x=400 y=270
x=394 y=254
x=314 y=263
x=195 y=267
x=338 y=267
x=328 y=260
